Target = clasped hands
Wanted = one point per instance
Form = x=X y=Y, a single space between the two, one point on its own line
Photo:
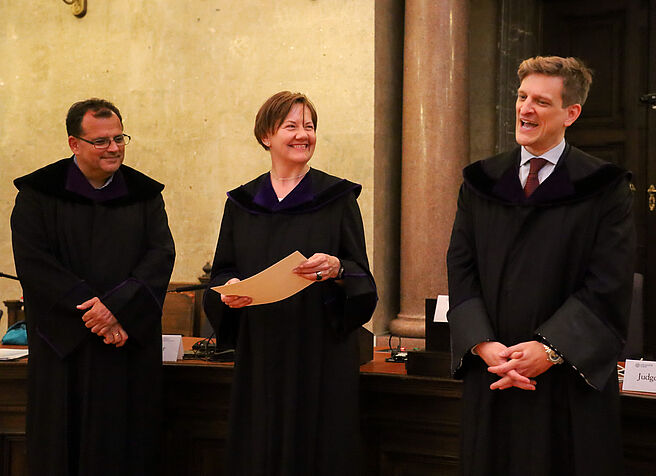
x=102 y=322
x=516 y=365
x=317 y=267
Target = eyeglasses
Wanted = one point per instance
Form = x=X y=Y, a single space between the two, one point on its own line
x=104 y=142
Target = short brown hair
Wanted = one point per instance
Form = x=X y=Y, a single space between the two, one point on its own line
x=577 y=77
x=100 y=108
x=275 y=110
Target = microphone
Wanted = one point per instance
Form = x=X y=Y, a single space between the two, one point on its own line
x=192 y=287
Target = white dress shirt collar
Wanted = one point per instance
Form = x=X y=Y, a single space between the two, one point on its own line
x=551 y=155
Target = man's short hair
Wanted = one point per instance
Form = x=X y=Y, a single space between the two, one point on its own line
x=577 y=77
x=275 y=110
x=99 y=108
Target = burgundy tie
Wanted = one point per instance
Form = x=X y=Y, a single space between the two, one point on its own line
x=532 y=181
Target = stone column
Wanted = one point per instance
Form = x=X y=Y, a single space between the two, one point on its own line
x=435 y=148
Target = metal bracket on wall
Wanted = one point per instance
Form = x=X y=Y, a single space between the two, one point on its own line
x=79 y=7
x=649 y=99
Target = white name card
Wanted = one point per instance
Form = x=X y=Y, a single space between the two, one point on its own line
x=640 y=376
x=441 y=308
x=172 y=348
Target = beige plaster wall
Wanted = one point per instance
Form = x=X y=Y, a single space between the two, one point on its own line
x=188 y=77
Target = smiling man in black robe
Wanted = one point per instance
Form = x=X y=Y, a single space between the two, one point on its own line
x=94 y=255
x=540 y=275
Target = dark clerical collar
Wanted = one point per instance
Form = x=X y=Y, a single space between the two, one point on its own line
x=266 y=196
x=314 y=191
x=77 y=183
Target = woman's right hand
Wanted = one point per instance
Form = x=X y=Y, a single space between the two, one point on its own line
x=235 y=302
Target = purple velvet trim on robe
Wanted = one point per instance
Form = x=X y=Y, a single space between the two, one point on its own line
x=141 y=283
x=314 y=191
x=266 y=196
x=77 y=183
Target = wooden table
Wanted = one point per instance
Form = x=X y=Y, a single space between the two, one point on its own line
x=410 y=424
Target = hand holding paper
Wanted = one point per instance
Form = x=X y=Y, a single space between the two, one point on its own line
x=275 y=283
x=319 y=266
x=233 y=301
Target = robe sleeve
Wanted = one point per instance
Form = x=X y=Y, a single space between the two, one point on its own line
x=469 y=323
x=137 y=302
x=224 y=320
x=589 y=329
x=351 y=302
x=53 y=290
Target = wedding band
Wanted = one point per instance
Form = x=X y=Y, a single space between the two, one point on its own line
x=318 y=275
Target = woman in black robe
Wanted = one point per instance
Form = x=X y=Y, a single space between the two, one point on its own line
x=294 y=408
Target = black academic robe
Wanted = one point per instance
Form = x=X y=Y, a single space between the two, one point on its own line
x=556 y=267
x=93 y=409
x=294 y=408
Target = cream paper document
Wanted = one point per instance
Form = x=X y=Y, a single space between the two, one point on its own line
x=275 y=283
x=13 y=354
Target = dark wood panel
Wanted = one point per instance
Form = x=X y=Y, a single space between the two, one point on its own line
x=13 y=401
x=402 y=464
x=196 y=400
x=649 y=219
x=612 y=152
x=599 y=41
x=178 y=314
x=183 y=313
x=410 y=425
x=613 y=37
x=14 y=455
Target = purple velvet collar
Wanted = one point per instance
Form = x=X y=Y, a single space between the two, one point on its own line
x=77 y=183
x=266 y=196
x=314 y=191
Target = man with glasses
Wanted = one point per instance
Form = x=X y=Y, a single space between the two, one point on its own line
x=94 y=255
